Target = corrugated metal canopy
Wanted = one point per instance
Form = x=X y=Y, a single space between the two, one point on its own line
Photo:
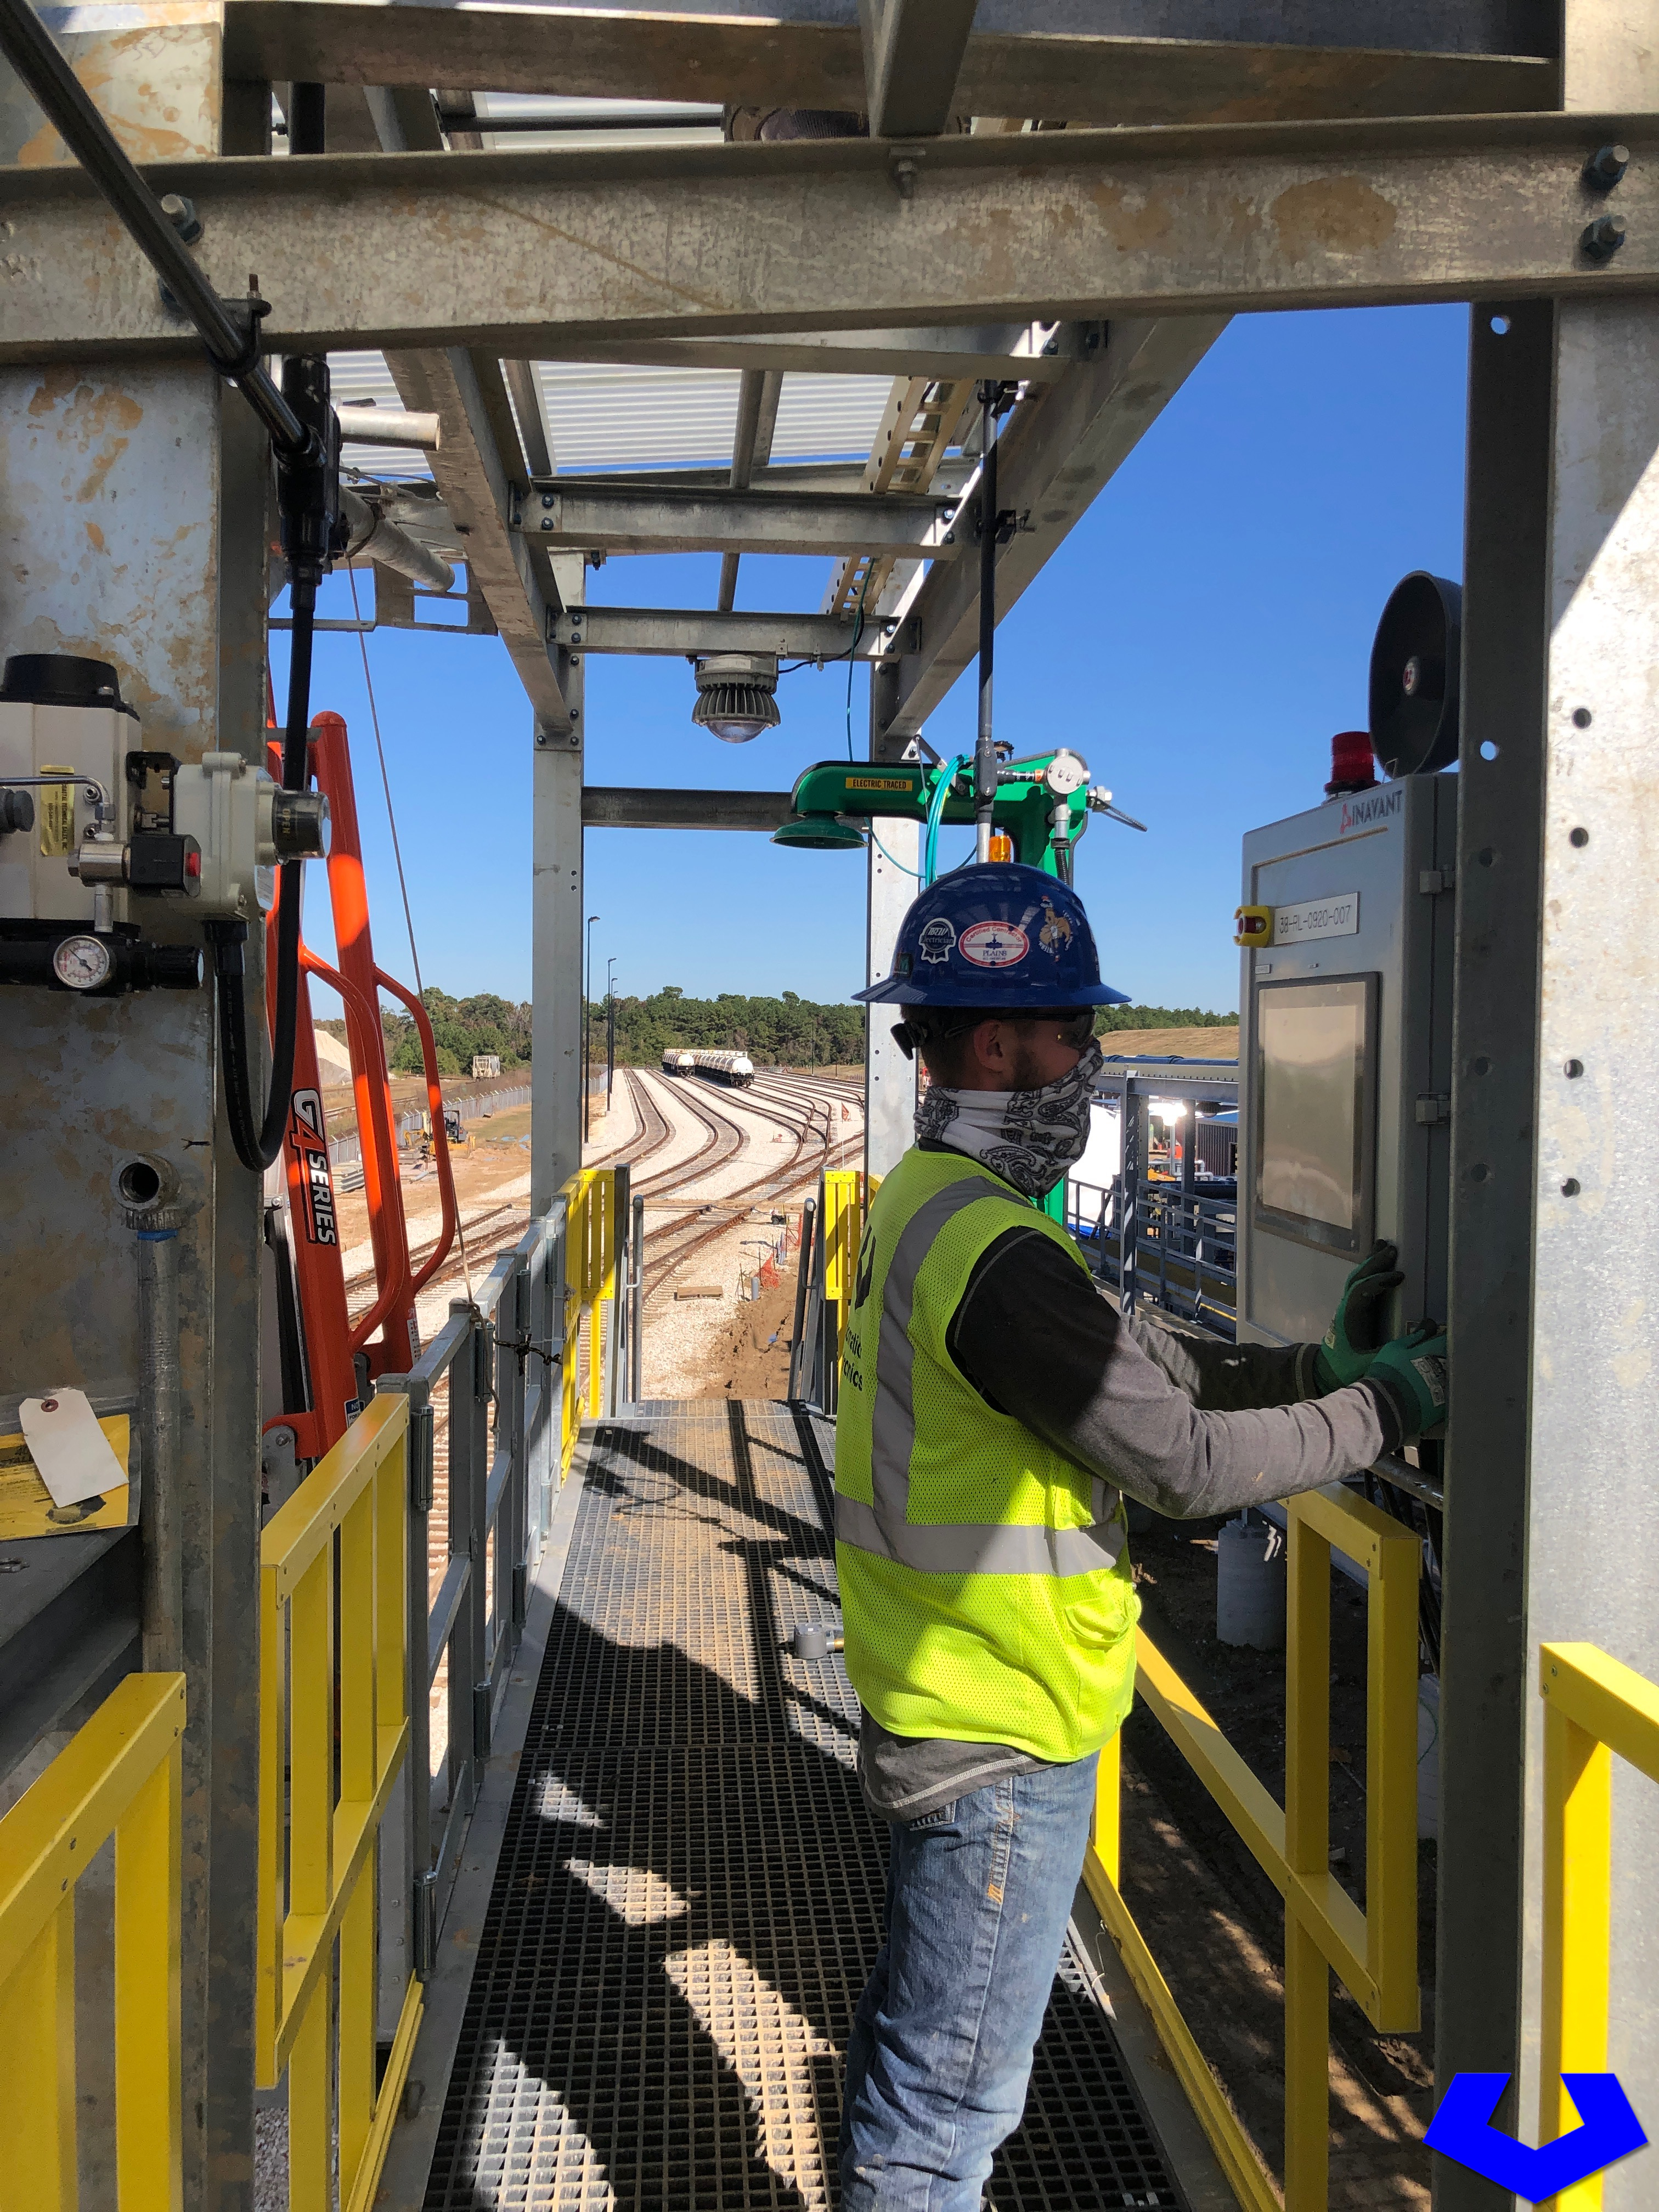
x=600 y=416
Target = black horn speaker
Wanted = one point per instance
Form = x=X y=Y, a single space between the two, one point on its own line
x=1415 y=676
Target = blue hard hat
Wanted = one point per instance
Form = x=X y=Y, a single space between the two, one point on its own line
x=999 y=936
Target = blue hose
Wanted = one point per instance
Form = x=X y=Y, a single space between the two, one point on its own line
x=941 y=791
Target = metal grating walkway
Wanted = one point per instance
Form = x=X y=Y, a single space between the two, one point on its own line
x=687 y=1899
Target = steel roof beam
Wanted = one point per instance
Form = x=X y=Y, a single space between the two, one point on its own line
x=471 y=473
x=1168 y=61
x=620 y=807
x=686 y=632
x=517 y=252
x=940 y=352
x=781 y=476
x=913 y=56
x=1059 y=447
x=634 y=520
x=479 y=468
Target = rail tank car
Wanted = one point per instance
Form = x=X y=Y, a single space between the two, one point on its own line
x=678 y=1063
x=734 y=1067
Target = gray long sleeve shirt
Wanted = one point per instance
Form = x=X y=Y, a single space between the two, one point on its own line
x=1191 y=1427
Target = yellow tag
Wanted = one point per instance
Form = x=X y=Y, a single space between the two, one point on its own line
x=26 y=1506
x=56 y=815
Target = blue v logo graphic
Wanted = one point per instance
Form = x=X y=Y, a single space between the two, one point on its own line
x=1462 y=2129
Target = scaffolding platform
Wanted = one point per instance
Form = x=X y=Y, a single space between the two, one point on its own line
x=687 y=1897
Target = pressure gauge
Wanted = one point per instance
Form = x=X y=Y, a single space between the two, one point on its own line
x=80 y=963
x=1065 y=774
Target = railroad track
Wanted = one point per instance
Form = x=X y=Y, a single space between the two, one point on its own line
x=791 y=1103
x=669 y=1247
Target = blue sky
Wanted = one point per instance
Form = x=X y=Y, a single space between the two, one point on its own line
x=1198 y=638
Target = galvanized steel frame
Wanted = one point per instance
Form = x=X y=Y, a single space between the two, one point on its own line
x=356 y=249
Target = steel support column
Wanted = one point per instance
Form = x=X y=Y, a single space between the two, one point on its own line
x=1484 y=1689
x=556 y=1090
x=1547 y=1484
x=133 y=521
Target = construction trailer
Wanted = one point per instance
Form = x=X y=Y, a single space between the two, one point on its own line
x=1214 y=161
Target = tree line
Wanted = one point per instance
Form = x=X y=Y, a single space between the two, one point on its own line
x=795 y=1031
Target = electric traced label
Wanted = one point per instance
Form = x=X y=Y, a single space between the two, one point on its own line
x=879 y=783
x=1316 y=918
x=56 y=815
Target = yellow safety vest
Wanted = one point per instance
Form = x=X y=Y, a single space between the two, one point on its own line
x=986 y=1591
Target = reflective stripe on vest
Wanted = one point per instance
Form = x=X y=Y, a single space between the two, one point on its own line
x=951 y=1548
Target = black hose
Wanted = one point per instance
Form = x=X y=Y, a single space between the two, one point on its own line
x=257 y=1146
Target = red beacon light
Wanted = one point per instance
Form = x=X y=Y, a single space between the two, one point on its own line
x=1353 y=764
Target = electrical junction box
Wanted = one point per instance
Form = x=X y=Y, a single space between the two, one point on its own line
x=1346 y=1055
x=92 y=826
x=42 y=738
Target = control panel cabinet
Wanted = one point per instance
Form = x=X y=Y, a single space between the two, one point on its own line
x=1345 y=1055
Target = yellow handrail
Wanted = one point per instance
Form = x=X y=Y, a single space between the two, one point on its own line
x=1596 y=1708
x=1374 y=1952
x=355 y=1504
x=120 y=1776
x=590 y=1197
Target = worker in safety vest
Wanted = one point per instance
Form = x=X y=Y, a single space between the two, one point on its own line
x=994 y=1413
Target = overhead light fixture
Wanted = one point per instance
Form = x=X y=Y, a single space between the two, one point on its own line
x=737 y=695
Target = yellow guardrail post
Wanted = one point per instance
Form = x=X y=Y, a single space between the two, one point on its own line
x=1307 y=1852
x=590 y=1284
x=1596 y=1708
x=843 y=1226
x=1373 y=1951
x=119 y=1774
x=320 y=1891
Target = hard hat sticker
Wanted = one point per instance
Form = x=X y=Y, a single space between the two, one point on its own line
x=993 y=944
x=936 y=941
x=1055 y=931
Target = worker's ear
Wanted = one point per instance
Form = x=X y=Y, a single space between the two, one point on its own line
x=992 y=1044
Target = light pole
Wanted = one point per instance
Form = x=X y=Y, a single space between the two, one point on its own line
x=587 y=1022
x=610 y=1030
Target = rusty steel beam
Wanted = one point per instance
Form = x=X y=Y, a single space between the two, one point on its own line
x=1169 y=63
x=515 y=252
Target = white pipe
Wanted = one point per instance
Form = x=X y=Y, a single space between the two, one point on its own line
x=389 y=426
x=374 y=538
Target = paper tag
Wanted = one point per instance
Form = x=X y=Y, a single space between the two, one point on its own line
x=68 y=1447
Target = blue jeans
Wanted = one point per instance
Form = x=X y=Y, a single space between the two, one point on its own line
x=978 y=1897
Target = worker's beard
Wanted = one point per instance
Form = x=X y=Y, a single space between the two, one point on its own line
x=1029 y=1138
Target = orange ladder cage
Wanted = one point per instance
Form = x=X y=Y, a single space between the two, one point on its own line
x=326 y=1373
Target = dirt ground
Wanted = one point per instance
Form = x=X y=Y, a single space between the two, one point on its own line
x=751 y=1360
x=1173 y=1044
x=1213 y=1919
x=486 y=1171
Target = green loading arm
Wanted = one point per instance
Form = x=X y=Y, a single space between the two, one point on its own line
x=1041 y=803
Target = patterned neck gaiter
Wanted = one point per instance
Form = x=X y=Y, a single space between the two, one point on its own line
x=1029 y=1138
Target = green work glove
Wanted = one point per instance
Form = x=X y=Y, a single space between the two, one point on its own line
x=1356 y=1328
x=1412 y=1371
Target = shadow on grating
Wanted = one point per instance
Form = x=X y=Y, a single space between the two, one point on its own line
x=687 y=1898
